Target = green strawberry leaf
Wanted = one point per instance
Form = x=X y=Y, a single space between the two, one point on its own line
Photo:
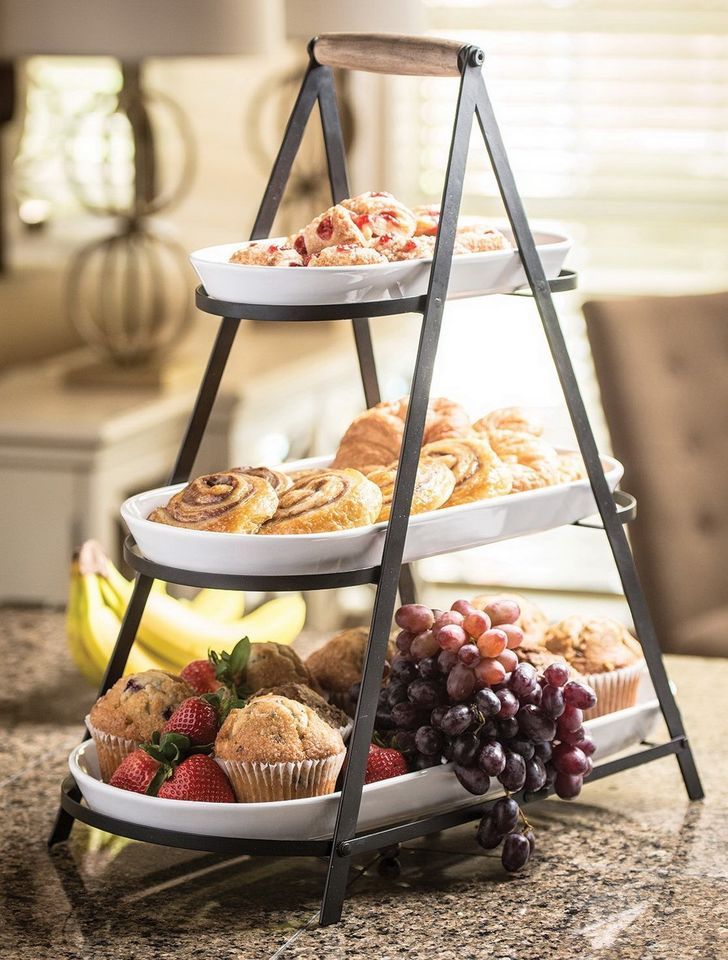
x=164 y=773
x=239 y=657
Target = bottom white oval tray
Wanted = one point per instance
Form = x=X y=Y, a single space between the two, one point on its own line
x=412 y=795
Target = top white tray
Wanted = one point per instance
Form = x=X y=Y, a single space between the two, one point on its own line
x=473 y=275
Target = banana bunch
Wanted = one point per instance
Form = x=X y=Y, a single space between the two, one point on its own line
x=172 y=632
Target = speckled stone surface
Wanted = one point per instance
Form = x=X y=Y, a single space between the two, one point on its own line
x=629 y=871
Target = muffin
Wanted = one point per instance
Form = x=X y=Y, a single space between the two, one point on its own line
x=335 y=717
x=606 y=655
x=533 y=621
x=338 y=664
x=276 y=748
x=130 y=712
x=272 y=663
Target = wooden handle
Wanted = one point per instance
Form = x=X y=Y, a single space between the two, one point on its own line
x=389 y=53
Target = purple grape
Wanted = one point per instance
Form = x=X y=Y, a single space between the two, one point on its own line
x=424 y=645
x=465 y=749
x=570 y=760
x=543 y=749
x=535 y=775
x=508 y=704
x=406 y=715
x=589 y=768
x=429 y=741
x=556 y=673
x=428 y=669
x=492 y=758
x=573 y=737
x=571 y=719
x=535 y=724
x=508 y=728
x=473 y=779
x=552 y=701
x=529 y=835
x=505 y=814
x=567 y=786
x=424 y=693
x=514 y=773
x=383 y=719
x=414 y=617
x=487 y=702
x=401 y=669
x=456 y=720
x=446 y=660
x=403 y=641
x=469 y=654
x=550 y=773
x=516 y=852
x=437 y=714
x=586 y=744
x=404 y=740
x=579 y=695
x=522 y=746
x=487 y=835
x=396 y=692
x=460 y=682
x=422 y=761
x=533 y=696
x=488 y=730
x=523 y=678
x=383 y=697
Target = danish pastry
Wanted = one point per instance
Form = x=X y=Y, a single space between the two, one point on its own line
x=346 y=255
x=434 y=485
x=379 y=213
x=331 y=500
x=527 y=450
x=230 y=502
x=403 y=248
x=279 y=481
x=333 y=227
x=263 y=253
x=427 y=218
x=480 y=240
x=509 y=418
x=479 y=473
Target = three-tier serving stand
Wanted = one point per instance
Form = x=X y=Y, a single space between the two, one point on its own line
x=419 y=57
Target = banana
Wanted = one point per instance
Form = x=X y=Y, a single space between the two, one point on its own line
x=179 y=634
x=222 y=606
x=74 y=633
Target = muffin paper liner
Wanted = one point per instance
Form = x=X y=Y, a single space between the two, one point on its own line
x=264 y=782
x=615 y=689
x=110 y=750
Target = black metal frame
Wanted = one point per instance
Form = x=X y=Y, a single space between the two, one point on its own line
x=473 y=102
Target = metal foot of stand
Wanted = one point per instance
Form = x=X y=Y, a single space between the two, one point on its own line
x=436 y=58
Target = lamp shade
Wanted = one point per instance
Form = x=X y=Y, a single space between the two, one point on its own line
x=307 y=18
x=136 y=29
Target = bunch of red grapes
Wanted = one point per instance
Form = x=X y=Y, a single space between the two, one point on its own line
x=457 y=692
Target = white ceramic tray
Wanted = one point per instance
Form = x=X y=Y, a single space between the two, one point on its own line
x=473 y=274
x=414 y=794
x=438 y=531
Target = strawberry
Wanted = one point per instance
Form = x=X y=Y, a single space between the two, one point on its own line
x=200 y=675
x=135 y=772
x=195 y=718
x=198 y=778
x=384 y=763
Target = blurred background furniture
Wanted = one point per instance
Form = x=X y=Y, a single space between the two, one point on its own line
x=661 y=365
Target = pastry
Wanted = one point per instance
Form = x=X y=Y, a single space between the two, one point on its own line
x=445 y=418
x=339 y=662
x=509 y=418
x=427 y=217
x=275 y=748
x=528 y=451
x=333 y=227
x=403 y=248
x=231 y=502
x=434 y=485
x=302 y=693
x=130 y=712
x=273 y=663
x=263 y=253
x=379 y=213
x=372 y=439
x=570 y=467
x=329 y=500
x=479 y=473
x=346 y=255
x=279 y=481
x=607 y=656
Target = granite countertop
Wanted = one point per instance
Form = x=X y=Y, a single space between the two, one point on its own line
x=629 y=871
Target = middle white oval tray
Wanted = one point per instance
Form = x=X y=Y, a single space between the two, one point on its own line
x=435 y=532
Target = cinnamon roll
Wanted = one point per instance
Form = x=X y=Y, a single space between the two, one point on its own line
x=434 y=485
x=229 y=502
x=479 y=473
x=509 y=418
x=527 y=450
x=279 y=481
x=330 y=500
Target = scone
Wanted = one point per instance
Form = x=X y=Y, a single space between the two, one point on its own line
x=275 y=748
x=378 y=213
x=403 y=248
x=607 y=656
x=263 y=253
x=346 y=255
x=130 y=712
x=272 y=663
x=337 y=665
x=333 y=227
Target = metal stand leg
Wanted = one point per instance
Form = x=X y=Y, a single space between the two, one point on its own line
x=604 y=499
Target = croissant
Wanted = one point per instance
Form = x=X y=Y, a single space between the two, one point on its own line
x=372 y=439
x=527 y=451
x=509 y=418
